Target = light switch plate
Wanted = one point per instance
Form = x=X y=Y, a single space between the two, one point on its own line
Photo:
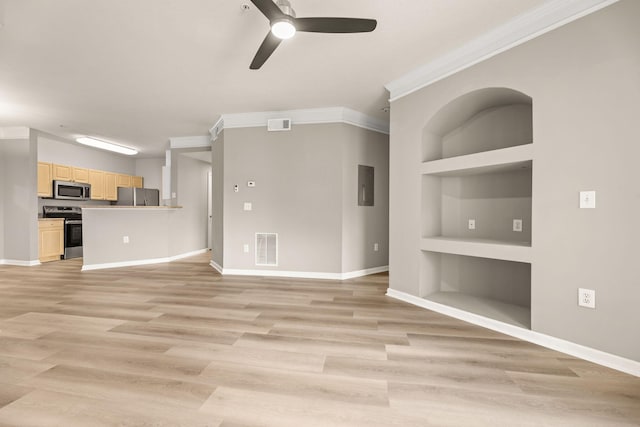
x=251 y=183
x=472 y=224
x=247 y=206
x=245 y=248
x=587 y=200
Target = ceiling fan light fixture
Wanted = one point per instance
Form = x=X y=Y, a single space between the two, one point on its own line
x=283 y=29
x=104 y=145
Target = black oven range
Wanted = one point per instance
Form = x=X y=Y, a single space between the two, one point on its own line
x=72 y=227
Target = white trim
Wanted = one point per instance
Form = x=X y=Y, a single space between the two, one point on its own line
x=216 y=266
x=216 y=129
x=301 y=117
x=549 y=16
x=19 y=263
x=301 y=274
x=90 y=267
x=14 y=132
x=366 y=272
x=190 y=142
x=587 y=353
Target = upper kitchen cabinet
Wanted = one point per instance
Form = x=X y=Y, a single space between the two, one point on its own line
x=137 y=182
x=81 y=175
x=123 y=180
x=110 y=186
x=45 y=187
x=97 y=180
x=62 y=172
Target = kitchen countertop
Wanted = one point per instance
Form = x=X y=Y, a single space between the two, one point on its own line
x=132 y=207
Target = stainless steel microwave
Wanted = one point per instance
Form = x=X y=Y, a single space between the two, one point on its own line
x=71 y=190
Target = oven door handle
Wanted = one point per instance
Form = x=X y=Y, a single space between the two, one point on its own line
x=73 y=221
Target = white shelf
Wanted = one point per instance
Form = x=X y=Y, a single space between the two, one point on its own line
x=502 y=160
x=507 y=313
x=483 y=248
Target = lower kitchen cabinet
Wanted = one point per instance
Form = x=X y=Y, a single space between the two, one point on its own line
x=51 y=239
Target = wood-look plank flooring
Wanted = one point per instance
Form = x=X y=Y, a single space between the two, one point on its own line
x=179 y=345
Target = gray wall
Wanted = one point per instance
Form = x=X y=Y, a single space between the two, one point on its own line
x=189 y=227
x=20 y=235
x=151 y=170
x=306 y=191
x=298 y=177
x=57 y=150
x=2 y=204
x=218 y=196
x=363 y=226
x=584 y=82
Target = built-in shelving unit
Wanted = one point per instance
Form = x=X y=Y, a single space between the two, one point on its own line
x=477 y=167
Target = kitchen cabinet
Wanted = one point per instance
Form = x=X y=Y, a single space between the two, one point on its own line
x=123 y=180
x=45 y=185
x=137 y=182
x=81 y=175
x=97 y=181
x=62 y=172
x=50 y=239
x=110 y=186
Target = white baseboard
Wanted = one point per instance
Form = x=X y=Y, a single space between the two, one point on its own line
x=300 y=274
x=18 y=263
x=587 y=353
x=89 y=267
x=216 y=266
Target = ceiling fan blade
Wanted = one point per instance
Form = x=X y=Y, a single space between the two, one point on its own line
x=265 y=50
x=268 y=9
x=335 y=25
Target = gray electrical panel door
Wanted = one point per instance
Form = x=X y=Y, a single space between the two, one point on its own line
x=365 y=185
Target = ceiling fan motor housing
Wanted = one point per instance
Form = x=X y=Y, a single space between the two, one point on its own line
x=285 y=7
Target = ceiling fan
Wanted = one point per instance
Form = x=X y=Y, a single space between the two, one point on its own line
x=284 y=25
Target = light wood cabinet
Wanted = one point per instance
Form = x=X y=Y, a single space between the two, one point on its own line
x=123 y=180
x=110 y=186
x=97 y=180
x=51 y=239
x=81 y=175
x=45 y=184
x=62 y=172
x=137 y=182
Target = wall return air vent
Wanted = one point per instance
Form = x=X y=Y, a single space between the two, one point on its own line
x=267 y=249
x=275 y=125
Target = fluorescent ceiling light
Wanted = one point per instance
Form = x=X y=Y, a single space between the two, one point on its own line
x=283 y=29
x=106 y=146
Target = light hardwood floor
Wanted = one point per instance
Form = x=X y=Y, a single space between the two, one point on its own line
x=177 y=344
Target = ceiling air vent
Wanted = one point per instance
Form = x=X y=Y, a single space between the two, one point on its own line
x=274 y=125
x=266 y=249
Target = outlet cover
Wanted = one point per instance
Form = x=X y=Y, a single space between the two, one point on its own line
x=248 y=206
x=517 y=225
x=587 y=200
x=375 y=247
x=245 y=248
x=472 y=224
x=125 y=239
x=586 y=298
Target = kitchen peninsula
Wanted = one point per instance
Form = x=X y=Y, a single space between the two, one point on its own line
x=119 y=236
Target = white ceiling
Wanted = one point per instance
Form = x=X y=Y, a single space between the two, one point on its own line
x=138 y=72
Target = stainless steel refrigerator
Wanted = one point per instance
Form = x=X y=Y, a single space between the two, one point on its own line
x=138 y=197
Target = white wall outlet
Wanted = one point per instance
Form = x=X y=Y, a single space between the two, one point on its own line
x=125 y=239
x=251 y=183
x=472 y=224
x=174 y=195
x=236 y=188
x=375 y=247
x=586 y=298
x=517 y=225
x=245 y=248
x=587 y=200
x=248 y=206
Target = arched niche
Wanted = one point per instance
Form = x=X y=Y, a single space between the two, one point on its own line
x=482 y=120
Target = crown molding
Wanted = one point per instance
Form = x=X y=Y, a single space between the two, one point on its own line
x=300 y=117
x=189 y=142
x=538 y=21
